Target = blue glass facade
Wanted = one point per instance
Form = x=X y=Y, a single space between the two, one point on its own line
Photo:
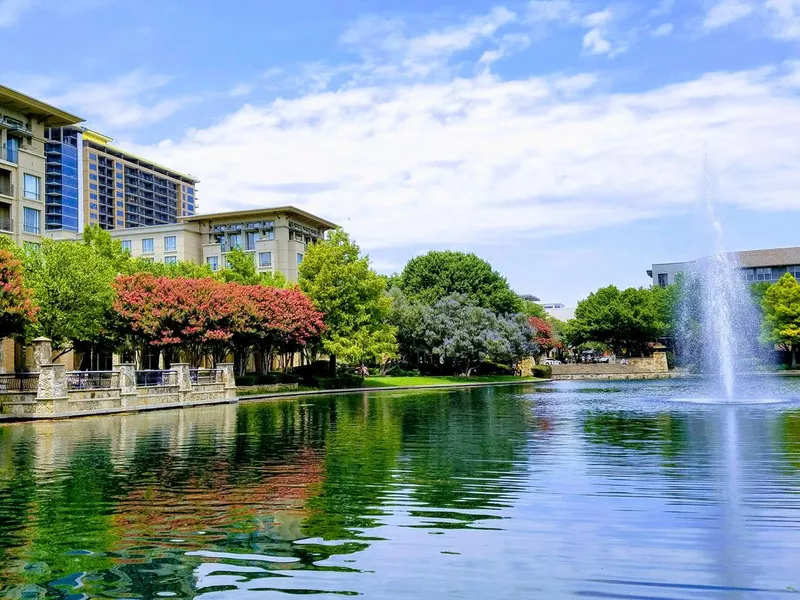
x=61 y=184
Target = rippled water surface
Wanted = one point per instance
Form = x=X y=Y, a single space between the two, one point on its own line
x=610 y=490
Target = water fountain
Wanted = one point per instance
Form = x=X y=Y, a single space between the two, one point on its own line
x=718 y=321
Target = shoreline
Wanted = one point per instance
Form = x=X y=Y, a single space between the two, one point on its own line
x=10 y=419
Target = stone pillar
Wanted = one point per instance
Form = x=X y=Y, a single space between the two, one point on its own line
x=127 y=383
x=184 y=376
x=42 y=352
x=228 y=379
x=51 y=393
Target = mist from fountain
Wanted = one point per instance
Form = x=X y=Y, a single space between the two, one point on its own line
x=718 y=321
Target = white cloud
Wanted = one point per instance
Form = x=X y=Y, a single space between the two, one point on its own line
x=601 y=35
x=12 y=10
x=725 y=12
x=482 y=160
x=388 y=52
x=130 y=101
x=664 y=7
x=663 y=30
x=509 y=44
x=785 y=17
x=779 y=19
x=242 y=89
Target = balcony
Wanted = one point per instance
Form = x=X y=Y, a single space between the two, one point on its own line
x=6 y=224
x=6 y=188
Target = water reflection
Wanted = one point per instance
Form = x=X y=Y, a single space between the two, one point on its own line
x=568 y=490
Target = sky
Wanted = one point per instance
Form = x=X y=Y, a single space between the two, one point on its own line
x=570 y=143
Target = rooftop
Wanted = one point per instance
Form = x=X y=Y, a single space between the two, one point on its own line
x=753 y=259
x=50 y=115
x=258 y=212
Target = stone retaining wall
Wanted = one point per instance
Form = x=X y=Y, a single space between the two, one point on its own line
x=53 y=398
x=654 y=367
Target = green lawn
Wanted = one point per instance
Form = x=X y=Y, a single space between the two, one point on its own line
x=370 y=382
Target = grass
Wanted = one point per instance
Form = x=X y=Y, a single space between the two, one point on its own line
x=422 y=380
x=377 y=382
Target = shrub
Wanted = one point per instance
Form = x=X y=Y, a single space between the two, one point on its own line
x=342 y=381
x=245 y=380
x=490 y=368
x=542 y=371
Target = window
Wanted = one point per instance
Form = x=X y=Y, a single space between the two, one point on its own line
x=93 y=216
x=170 y=260
x=265 y=259
x=120 y=195
x=126 y=246
x=235 y=240
x=31 y=220
x=93 y=205
x=93 y=167
x=31 y=187
x=213 y=262
x=120 y=213
x=795 y=271
x=118 y=165
x=764 y=274
x=147 y=246
x=92 y=176
x=119 y=185
x=119 y=175
x=92 y=156
x=662 y=279
x=92 y=186
x=268 y=235
x=12 y=150
x=170 y=243
x=250 y=240
x=299 y=258
x=120 y=203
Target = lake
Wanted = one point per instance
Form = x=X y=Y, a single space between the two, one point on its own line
x=574 y=489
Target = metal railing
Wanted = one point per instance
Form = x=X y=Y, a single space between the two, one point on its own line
x=19 y=382
x=6 y=188
x=206 y=375
x=156 y=378
x=92 y=380
x=6 y=224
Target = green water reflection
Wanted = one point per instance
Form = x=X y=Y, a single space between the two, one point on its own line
x=229 y=498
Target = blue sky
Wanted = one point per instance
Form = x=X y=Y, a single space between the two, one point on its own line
x=562 y=140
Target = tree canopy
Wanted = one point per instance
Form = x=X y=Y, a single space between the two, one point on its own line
x=781 y=306
x=439 y=274
x=353 y=298
x=625 y=321
x=71 y=285
x=17 y=309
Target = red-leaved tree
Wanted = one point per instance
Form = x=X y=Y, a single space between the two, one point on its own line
x=214 y=318
x=544 y=335
x=16 y=301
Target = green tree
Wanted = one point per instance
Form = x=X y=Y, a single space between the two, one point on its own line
x=72 y=287
x=440 y=274
x=624 y=320
x=531 y=309
x=240 y=268
x=781 y=306
x=353 y=297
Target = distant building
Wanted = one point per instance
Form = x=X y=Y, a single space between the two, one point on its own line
x=91 y=182
x=756 y=265
x=551 y=305
x=277 y=238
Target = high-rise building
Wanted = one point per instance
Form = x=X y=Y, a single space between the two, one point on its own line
x=115 y=189
x=62 y=187
x=23 y=168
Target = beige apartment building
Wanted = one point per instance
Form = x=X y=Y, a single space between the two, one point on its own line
x=23 y=171
x=276 y=237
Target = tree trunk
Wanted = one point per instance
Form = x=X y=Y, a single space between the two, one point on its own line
x=794 y=356
x=333 y=364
